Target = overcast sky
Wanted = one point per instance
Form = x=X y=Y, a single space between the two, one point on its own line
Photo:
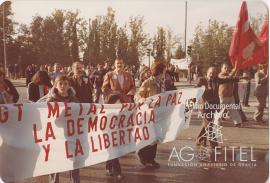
x=166 y=13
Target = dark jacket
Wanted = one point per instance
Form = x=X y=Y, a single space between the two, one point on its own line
x=29 y=73
x=12 y=90
x=226 y=89
x=169 y=83
x=53 y=96
x=33 y=92
x=83 y=90
x=261 y=84
x=236 y=93
x=210 y=94
x=97 y=79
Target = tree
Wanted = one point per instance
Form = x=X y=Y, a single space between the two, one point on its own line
x=138 y=41
x=74 y=45
x=62 y=36
x=122 y=43
x=25 y=53
x=211 y=46
x=45 y=40
x=36 y=38
x=92 y=53
x=82 y=33
x=179 y=52
x=159 y=44
x=169 y=45
x=55 y=43
x=102 y=41
x=71 y=34
x=108 y=38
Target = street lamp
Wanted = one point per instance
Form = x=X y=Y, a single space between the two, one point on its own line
x=149 y=54
x=4 y=38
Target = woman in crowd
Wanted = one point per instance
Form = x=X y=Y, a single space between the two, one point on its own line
x=8 y=93
x=144 y=75
x=151 y=86
x=39 y=86
x=62 y=92
x=169 y=81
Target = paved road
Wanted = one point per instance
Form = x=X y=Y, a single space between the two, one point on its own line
x=253 y=136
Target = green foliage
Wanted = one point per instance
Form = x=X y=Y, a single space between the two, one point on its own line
x=159 y=44
x=107 y=40
x=179 y=52
x=122 y=43
x=138 y=41
x=210 y=46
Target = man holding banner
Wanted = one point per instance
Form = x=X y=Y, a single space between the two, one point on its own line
x=118 y=87
x=152 y=86
x=56 y=137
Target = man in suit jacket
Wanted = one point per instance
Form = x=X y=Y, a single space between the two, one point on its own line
x=81 y=84
x=118 y=87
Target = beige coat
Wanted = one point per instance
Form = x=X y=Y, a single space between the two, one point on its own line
x=111 y=84
x=148 y=88
x=226 y=89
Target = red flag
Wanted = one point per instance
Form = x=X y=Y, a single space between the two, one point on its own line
x=244 y=42
x=264 y=38
x=261 y=53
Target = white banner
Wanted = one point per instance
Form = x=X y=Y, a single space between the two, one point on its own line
x=43 y=138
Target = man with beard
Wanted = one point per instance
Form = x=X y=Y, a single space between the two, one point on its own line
x=81 y=84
